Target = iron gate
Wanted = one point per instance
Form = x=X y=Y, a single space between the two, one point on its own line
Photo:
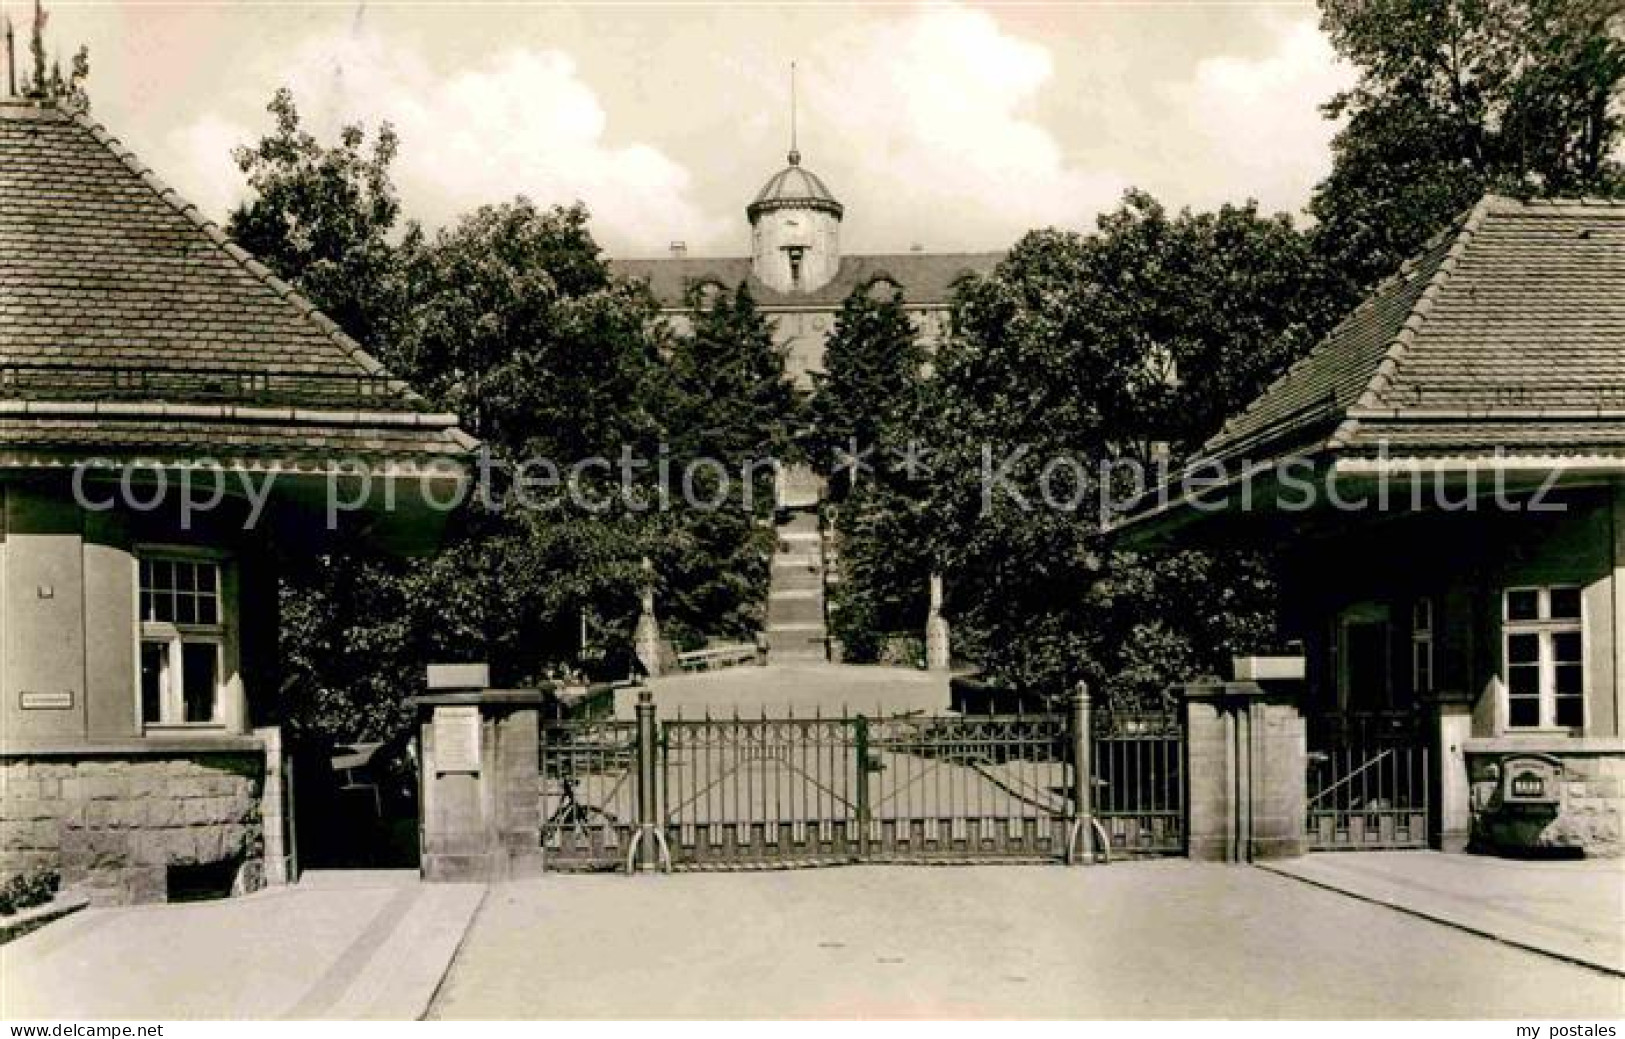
x=588 y=792
x=760 y=792
x=1368 y=784
x=1139 y=768
x=740 y=791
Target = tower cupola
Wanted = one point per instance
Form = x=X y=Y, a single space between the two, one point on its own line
x=795 y=225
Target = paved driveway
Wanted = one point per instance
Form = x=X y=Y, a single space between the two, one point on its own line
x=338 y=945
x=1570 y=908
x=1135 y=940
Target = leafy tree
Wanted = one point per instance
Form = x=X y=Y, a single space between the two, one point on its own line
x=349 y=644
x=1201 y=311
x=1456 y=97
x=870 y=384
x=729 y=411
x=511 y=318
x=1067 y=363
x=517 y=325
x=731 y=399
x=324 y=217
x=866 y=404
x=884 y=537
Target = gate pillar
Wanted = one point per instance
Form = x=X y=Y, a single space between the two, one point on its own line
x=479 y=813
x=938 y=649
x=1247 y=759
x=1453 y=726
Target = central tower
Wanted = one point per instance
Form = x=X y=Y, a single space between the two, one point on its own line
x=795 y=225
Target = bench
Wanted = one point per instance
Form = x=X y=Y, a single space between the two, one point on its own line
x=720 y=656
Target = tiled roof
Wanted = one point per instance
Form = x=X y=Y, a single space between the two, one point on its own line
x=115 y=291
x=1507 y=331
x=927 y=279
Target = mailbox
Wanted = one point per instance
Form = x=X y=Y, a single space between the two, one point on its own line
x=1533 y=780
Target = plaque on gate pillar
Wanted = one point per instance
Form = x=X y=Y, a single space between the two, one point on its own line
x=456 y=739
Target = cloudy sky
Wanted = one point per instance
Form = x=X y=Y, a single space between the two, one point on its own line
x=951 y=126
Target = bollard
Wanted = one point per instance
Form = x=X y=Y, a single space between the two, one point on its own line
x=649 y=851
x=1081 y=837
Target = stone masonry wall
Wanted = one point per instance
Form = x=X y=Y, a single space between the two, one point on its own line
x=1590 y=818
x=112 y=826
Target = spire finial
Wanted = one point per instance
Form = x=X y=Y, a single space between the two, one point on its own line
x=795 y=153
x=11 y=60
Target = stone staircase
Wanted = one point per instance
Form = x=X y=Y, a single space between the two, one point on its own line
x=795 y=602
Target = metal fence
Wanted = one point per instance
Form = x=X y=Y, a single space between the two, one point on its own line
x=1368 y=797
x=729 y=793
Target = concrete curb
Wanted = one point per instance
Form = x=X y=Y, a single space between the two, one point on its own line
x=29 y=920
x=1447 y=921
x=462 y=939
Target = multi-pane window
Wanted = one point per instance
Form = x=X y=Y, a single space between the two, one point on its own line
x=182 y=641
x=1422 y=646
x=1545 y=658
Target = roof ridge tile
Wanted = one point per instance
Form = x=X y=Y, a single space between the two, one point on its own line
x=1373 y=297
x=1382 y=378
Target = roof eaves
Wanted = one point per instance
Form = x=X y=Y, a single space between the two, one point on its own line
x=140 y=410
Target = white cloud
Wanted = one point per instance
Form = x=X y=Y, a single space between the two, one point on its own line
x=520 y=122
x=1254 y=125
x=936 y=125
x=203 y=172
x=937 y=109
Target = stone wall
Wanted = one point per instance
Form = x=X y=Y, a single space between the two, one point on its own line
x=1588 y=820
x=114 y=825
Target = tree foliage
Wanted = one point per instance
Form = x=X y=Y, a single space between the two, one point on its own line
x=1457 y=97
x=47 y=80
x=1067 y=364
x=516 y=325
x=869 y=390
x=866 y=406
x=729 y=411
x=512 y=319
x=324 y=218
x=731 y=398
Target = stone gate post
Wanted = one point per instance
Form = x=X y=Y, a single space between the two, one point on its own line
x=479 y=803
x=1246 y=758
x=938 y=648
